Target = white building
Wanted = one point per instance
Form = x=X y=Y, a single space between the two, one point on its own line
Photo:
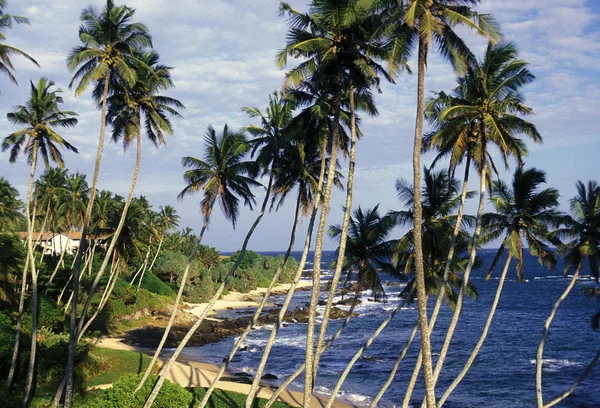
x=56 y=242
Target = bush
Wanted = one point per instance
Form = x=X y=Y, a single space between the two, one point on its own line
x=121 y=394
x=152 y=284
x=201 y=290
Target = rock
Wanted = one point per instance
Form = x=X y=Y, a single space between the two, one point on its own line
x=373 y=358
x=337 y=313
x=348 y=302
x=322 y=302
x=269 y=377
x=393 y=284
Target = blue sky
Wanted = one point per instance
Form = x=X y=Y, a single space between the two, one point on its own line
x=224 y=52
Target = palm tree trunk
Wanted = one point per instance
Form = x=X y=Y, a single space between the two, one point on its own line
x=64 y=289
x=109 y=252
x=302 y=262
x=34 y=288
x=587 y=372
x=62 y=255
x=467 y=273
x=441 y=294
x=176 y=305
x=299 y=371
x=114 y=275
x=450 y=257
x=540 y=350
x=360 y=351
x=162 y=238
x=15 y=356
x=343 y=238
x=316 y=275
x=481 y=338
x=146 y=264
x=417 y=221
x=80 y=251
x=413 y=381
x=37 y=242
x=165 y=370
x=143 y=266
x=392 y=375
x=255 y=317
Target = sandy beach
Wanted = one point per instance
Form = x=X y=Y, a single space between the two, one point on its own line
x=189 y=373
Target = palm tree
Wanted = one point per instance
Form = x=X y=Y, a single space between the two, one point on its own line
x=10 y=206
x=485 y=110
x=524 y=212
x=40 y=115
x=425 y=23
x=164 y=221
x=582 y=228
x=335 y=41
x=109 y=39
x=6 y=50
x=439 y=202
x=131 y=108
x=223 y=177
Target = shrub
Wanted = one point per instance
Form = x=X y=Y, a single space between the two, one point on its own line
x=152 y=284
x=121 y=394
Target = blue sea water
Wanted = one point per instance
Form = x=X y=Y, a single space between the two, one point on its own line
x=503 y=374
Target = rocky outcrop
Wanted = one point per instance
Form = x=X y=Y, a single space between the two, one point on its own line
x=211 y=330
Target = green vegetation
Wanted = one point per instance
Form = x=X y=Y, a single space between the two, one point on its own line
x=95 y=262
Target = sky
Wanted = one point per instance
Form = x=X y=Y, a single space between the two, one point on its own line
x=223 y=58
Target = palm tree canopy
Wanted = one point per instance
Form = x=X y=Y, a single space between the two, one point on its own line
x=40 y=115
x=10 y=206
x=223 y=175
x=485 y=108
x=6 y=50
x=109 y=40
x=433 y=22
x=440 y=198
x=523 y=212
x=582 y=228
x=129 y=103
x=334 y=37
x=368 y=251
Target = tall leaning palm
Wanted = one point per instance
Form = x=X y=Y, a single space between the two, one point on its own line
x=485 y=111
x=335 y=40
x=108 y=40
x=223 y=177
x=6 y=50
x=524 y=213
x=582 y=229
x=133 y=111
x=40 y=115
x=429 y=23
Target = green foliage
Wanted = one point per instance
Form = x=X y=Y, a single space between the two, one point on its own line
x=152 y=284
x=201 y=291
x=229 y=399
x=104 y=366
x=125 y=301
x=12 y=255
x=7 y=340
x=169 y=265
x=121 y=395
x=250 y=257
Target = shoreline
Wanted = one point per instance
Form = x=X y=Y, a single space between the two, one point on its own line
x=193 y=373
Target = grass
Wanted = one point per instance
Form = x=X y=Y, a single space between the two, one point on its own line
x=229 y=399
x=114 y=364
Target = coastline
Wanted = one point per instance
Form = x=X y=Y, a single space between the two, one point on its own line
x=191 y=373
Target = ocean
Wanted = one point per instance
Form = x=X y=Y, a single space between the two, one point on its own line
x=503 y=374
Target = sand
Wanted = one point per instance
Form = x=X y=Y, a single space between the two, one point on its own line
x=194 y=373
